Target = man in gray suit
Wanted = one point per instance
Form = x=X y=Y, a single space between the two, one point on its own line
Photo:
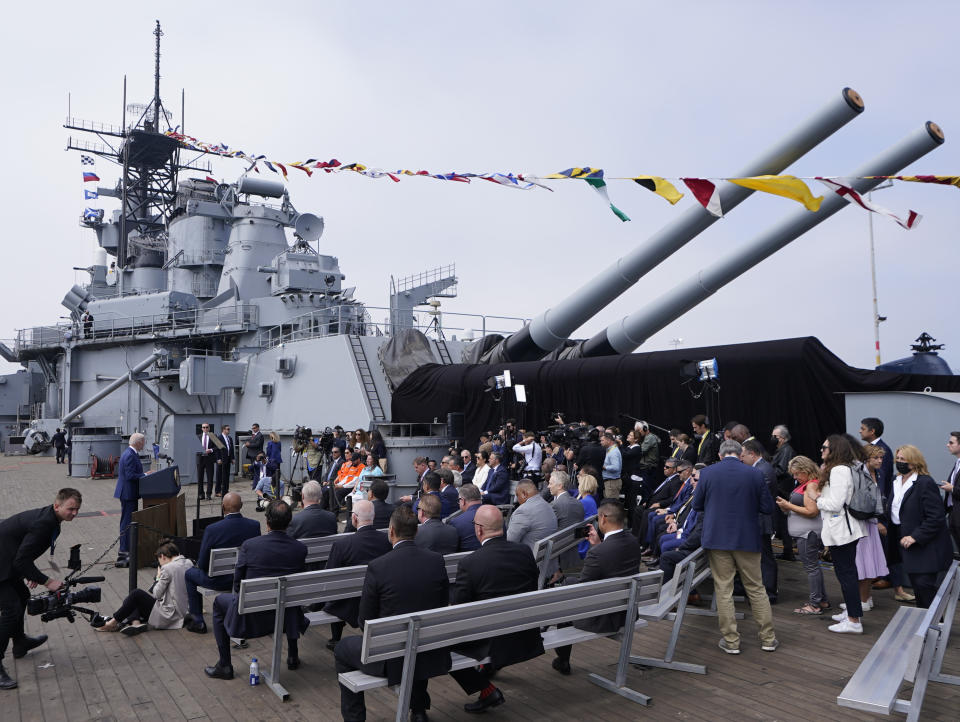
x=432 y=533
x=314 y=520
x=569 y=511
x=532 y=520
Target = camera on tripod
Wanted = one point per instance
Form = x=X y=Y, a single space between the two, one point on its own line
x=63 y=603
x=302 y=436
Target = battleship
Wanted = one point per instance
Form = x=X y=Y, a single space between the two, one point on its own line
x=219 y=303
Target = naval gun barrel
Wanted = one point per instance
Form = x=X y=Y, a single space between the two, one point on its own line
x=631 y=331
x=107 y=390
x=549 y=330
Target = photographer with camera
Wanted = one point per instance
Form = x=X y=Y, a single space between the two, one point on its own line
x=532 y=456
x=23 y=538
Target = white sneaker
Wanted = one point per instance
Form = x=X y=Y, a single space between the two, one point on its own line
x=867 y=605
x=846 y=627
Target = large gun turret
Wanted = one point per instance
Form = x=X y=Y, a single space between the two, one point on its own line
x=552 y=328
x=630 y=332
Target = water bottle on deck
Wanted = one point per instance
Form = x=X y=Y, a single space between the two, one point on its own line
x=254 y=672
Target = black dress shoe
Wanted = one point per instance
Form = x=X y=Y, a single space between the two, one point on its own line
x=196 y=627
x=418 y=717
x=561 y=665
x=332 y=644
x=122 y=563
x=6 y=681
x=218 y=672
x=293 y=662
x=22 y=646
x=493 y=699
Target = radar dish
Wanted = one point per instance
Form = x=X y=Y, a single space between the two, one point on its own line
x=308 y=227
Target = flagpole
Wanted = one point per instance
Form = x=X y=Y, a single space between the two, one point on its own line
x=873 y=278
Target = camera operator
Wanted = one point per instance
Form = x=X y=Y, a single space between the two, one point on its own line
x=314 y=454
x=591 y=453
x=23 y=538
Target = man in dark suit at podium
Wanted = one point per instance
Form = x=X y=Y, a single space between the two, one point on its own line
x=128 y=491
x=225 y=460
x=206 y=461
x=271 y=555
x=231 y=531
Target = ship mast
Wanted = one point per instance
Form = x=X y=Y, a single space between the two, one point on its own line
x=149 y=161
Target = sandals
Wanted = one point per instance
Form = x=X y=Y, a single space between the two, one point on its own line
x=808 y=610
x=109 y=625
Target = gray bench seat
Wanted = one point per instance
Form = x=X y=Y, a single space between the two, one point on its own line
x=910 y=649
x=406 y=635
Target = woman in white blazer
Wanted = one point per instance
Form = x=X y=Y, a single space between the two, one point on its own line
x=841 y=532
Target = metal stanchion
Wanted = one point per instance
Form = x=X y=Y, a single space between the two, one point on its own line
x=133 y=535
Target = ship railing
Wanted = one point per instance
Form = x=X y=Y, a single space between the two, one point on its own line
x=357 y=320
x=188 y=322
x=424 y=277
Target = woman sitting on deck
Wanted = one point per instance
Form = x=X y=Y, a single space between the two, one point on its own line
x=163 y=607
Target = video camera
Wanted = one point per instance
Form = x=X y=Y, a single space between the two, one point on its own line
x=63 y=602
x=571 y=436
x=302 y=436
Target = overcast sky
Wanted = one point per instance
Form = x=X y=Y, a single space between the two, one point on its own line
x=672 y=89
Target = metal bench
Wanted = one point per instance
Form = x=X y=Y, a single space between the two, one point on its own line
x=910 y=649
x=404 y=636
x=672 y=604
x=223 y=561
x=551 y=547
x=300 y=590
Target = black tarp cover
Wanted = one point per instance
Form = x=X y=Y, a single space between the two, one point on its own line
x=797 y=382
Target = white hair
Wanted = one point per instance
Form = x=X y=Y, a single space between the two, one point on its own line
x=363 y=508
x=312 y=491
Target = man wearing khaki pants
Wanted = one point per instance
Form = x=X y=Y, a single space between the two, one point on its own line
x=731 y=496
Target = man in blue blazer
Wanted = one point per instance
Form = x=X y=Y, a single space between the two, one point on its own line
x=469 y=501
x=231 y=531
x=449 y=499
x=128 y=491
x=271 y=555
x=752 y=454
x=871 y=429
x=731 y=496
x=498 y=482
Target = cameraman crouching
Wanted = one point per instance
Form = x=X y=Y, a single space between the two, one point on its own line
x=23 y=538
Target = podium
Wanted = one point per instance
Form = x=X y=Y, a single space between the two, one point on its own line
x=162 y=483
x=164 y=508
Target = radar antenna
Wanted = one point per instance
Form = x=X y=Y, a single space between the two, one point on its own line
x=925 y=344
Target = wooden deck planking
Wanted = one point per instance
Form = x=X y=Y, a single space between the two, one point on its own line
x=159 y=675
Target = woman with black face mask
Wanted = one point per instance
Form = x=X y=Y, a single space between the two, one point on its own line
x=917 y=509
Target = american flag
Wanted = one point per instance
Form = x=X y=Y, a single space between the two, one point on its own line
x=86 y=160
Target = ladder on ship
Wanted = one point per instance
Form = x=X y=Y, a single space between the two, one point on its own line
x=444 y=352
x=366 y=378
